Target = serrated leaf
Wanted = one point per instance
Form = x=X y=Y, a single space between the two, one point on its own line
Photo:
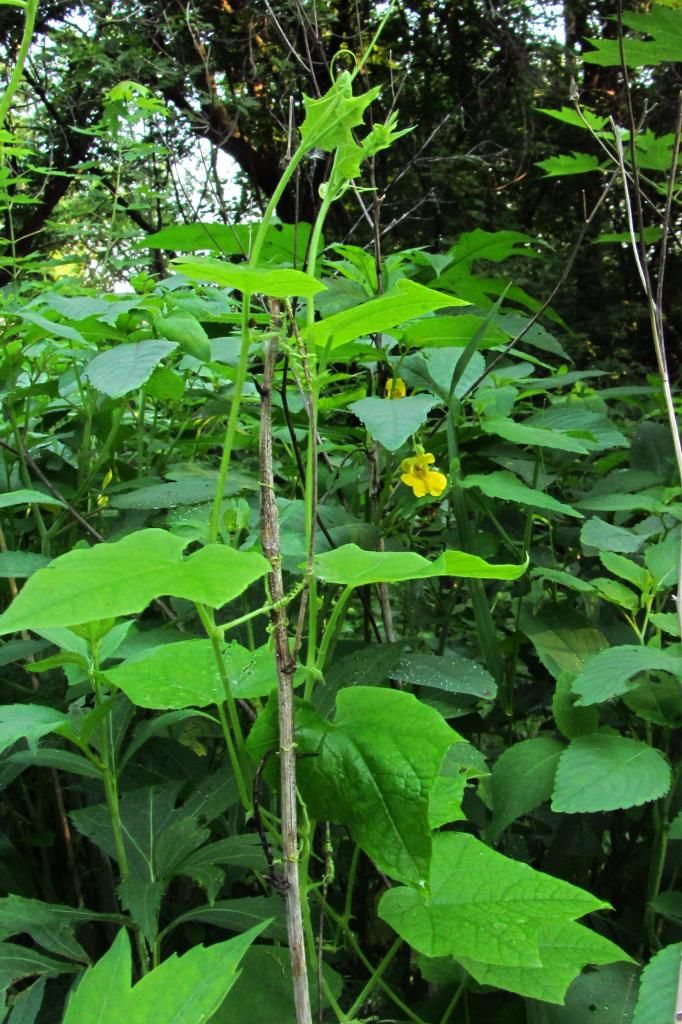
x=658 y=987
x=609 y=672
x=27 y=721
x=483 y=905
x=329 y=119
x=569 y=163
x=141 y=899
x=392 y=421
x=279 y=284
x=126 y=368
x=27 y=1004
x=522 y=779
x=354 y=566
x=19 y=962
x=605 y=772
x=181 y=990
x=121 y=578
x=373 y=770
x=51 y=925
x=283 y=242
x=507 y=487
x=663 y=25
x=407 y=301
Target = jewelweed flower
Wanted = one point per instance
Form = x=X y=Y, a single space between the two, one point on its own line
x=417 y=475
x=395 y=388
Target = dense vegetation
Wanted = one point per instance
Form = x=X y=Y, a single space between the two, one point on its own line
x=340 y=534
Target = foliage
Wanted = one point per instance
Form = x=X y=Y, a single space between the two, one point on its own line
x=339 y=610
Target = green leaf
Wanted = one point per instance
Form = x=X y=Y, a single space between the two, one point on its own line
x=263 y=993
x=186 y=674
x=495 y=246
x=373 y=770
x=121 y=578
x=570 y=719
x=351 y=565
x=507 y=487
x=447 y=331
x=616 y=593
x=663 y=561
x=240 y=914
x=392 y=421
x=520 y=433
x=608 y=674
x=657 y=700
x=569 y=115
x=522 y=779
x=563 y=640
x=565 y=579
x=27 y=497
x=450 y=672
x=19 y=962
x=181 y=990
x=596 y=533
x=564 y=948
x=141 y=899
x=669 y=905
x=51 y=925
x=27 y=1004
x=664 y=25
x=462 y=762
x=27 y=721
x=280 y=284
x=63 y=760
x=125 y=368
x=191 y=490
x=568 y=163
x=21 y=564
x=605 y=772
x=656 y=1003
x=606 y=994
x=329 y=119
x=626 y=569
x=407 y=301
x=187 y=332
x=480 y=904
x=283 y=242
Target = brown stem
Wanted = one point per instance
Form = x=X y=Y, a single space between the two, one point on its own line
x=285 y=666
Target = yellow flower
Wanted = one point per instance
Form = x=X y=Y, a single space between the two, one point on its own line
x=417 y=475
x=395 y=388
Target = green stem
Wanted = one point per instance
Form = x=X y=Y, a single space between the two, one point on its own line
x=110 y=781
x=242 y=365
x=331 y=629
x=487 y=635
x=30 y=11
x=234 y=738
x=453 y=1002
x=374 y=979
x=357 y=949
